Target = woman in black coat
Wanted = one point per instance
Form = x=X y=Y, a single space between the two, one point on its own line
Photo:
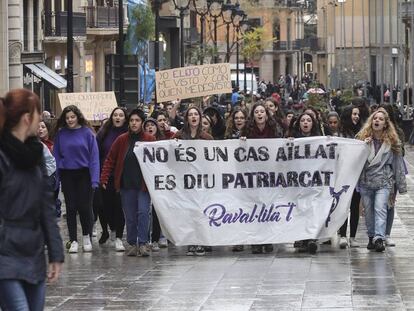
x=27 y=212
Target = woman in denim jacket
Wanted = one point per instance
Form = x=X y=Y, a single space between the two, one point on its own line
x=383 y=169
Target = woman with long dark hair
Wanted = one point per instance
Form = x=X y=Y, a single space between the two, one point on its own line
x=77 y=161
x=305 y=125
x=261 y=124
x=111 y=213
x=235 y=125
x=193 y=129
x=350 y=126
x=122 y=163
x=27 y=215
x=44 y=133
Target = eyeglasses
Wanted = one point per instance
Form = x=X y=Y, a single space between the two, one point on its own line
x=239 y=118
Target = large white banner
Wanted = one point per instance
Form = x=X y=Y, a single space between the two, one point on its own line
x=251 y=192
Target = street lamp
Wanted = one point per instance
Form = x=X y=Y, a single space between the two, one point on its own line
x=182 y=6
x=238 y=17
x=215 y=12
x=202 y=8
x=244 y=27
x=156 y=6
x=228 y=19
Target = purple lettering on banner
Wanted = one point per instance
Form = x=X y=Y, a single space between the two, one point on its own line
x=218 y=215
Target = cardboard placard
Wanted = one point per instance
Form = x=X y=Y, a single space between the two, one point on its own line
x=193 y=81
x=95 y=106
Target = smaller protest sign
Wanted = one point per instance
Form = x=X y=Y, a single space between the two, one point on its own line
x=95 y=106
x=192 y=81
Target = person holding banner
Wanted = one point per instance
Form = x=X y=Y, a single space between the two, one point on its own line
x=235 y=125
x=383 y=169
x=128 y=179
x=305 y=126
x=163 y=123
x=77 y=160
x=193 y=129
x=350 y=126
x=218 y=126
x=151 y=127
x=261 y=125
x=111 y=213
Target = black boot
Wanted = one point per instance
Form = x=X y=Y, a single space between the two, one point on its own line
x=312 y=247
x=104 y=237
x=379 y=245
x=257 y=249
x=268 y=248
x=370 y=245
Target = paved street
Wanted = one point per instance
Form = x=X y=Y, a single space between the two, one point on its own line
x=333 y=279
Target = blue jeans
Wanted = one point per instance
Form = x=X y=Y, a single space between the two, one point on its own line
x=375 y=203
x=136 y=206
x=390 y=219
x=21 y=296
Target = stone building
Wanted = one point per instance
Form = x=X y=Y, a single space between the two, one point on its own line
x=33 y=52
x=363 y=41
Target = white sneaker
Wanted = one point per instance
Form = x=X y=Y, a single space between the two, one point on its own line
x=343 y=243
x=94 y=231
x=87 y=245
x=119 y=246
x=353 y=242
x=113 y=236
x=73 y=249
x=389 y=241
x=155 y=247
x=163 y=243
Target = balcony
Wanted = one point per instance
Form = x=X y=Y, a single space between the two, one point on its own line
x=56 y=25
x=101 y=20
x=101 y=17
x=310 y=44
x=407 y=10
x=286 y=45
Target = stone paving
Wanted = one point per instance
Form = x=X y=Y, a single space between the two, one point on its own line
x=333 y=279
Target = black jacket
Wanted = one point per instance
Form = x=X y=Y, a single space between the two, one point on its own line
x=27 y=223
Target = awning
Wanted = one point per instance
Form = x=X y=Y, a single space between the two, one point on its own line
x=47 y=74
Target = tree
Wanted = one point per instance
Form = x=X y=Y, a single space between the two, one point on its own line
x=141 y=30
x=254 y=45
x=142 y=27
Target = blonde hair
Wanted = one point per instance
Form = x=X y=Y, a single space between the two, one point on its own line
x=389 y=134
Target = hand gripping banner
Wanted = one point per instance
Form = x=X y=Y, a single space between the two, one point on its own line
x=256 y=191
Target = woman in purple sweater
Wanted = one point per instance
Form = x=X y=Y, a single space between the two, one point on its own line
x=77 y=162
x=111 y=213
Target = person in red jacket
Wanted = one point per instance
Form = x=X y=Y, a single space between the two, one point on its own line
x=130 y=182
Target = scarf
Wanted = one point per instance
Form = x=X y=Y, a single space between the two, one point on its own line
x=375 y=158
x=24 y=155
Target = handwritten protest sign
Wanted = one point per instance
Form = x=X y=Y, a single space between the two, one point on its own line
x=192 y=81
x=95 y=106
x=251 y=192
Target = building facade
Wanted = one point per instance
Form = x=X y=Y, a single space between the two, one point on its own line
x=34 y=53
x=364 y=41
